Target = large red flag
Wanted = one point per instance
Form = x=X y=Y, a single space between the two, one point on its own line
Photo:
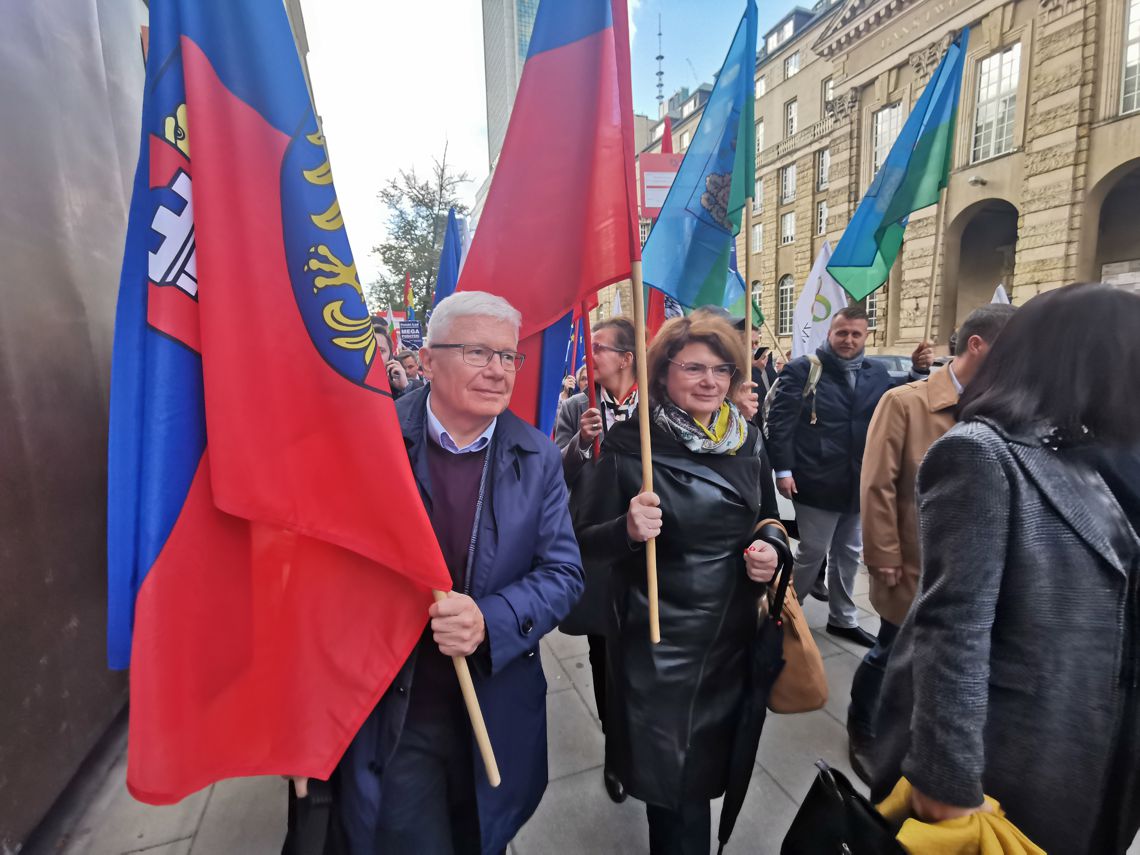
x=269 y=557
x=560 y=218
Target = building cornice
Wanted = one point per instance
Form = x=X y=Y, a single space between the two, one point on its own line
x=855 y=21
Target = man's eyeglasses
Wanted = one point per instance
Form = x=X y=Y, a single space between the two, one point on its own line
x=480 y=356
x=697 y=370
x=596 y=347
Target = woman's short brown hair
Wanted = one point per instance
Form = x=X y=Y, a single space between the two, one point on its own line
x=702 y=328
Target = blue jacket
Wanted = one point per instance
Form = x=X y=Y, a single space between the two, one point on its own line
x=825 y=458
x=526 y=577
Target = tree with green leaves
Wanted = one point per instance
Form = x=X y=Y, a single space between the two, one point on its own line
x=417 y=217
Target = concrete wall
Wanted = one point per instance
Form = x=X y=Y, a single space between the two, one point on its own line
x=71 y=78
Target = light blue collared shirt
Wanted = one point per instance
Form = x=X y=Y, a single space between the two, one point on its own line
x=443 y=439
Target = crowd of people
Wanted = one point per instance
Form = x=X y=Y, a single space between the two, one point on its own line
x=995 y=502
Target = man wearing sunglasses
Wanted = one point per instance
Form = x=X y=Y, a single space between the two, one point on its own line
x=493 y=489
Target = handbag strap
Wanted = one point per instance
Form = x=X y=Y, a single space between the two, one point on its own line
x=775 y=535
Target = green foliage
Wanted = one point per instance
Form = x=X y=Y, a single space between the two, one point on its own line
x=417 y=217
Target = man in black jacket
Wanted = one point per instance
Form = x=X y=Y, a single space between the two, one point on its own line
x=815 y=442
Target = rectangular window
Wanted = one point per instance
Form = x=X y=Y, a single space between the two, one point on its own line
x=792 y=65
x=644 y=228
x=1131 y=82
x=757 y=237
x=659 y=131
x=996 y=104
x=686 y=136
x=773 y=42
x=758 y=196
x=785 y=305
x=884 y=129
x=688 y=107
x=791 y=118
x=821 y=218
x=822 y=168
x=828 y=93
x=788 y=228
x=788 y=183
x=872 y=308
x=761 y=85
x=759 y=138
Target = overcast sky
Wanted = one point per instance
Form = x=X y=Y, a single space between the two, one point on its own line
x=395 y=81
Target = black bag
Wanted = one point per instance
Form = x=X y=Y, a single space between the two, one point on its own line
x=312 y=827
x=836 y=820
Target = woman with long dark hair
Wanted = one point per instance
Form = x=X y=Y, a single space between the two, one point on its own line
x=672 y=708
x=1016 y=672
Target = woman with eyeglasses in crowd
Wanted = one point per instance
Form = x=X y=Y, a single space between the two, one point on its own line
x=672 y=707
x=578 y=426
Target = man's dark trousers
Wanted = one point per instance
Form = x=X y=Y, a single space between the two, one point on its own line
x=432 y=808
x=865 y=689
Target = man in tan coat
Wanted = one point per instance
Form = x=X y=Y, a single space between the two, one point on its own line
x=906 y=423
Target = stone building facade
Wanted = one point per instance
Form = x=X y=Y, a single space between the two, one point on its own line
x=1045 y=180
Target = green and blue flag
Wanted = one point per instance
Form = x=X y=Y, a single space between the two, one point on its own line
x=688 y=252
x=911 y=178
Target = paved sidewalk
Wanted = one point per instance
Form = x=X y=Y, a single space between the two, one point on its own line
x=247 y=816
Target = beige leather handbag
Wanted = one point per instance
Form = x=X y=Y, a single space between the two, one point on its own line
x=802 y=684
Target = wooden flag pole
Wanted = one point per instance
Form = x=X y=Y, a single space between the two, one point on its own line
x=646 y=453
x=747 y=282
x=939 y=222
x=776 y=342
x=478 y=726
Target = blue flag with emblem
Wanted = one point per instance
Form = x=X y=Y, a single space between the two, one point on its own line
x=688 y=252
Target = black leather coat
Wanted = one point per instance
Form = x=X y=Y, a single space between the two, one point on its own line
x=673 y=706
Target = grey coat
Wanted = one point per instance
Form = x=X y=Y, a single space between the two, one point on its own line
x=566 y=436
x=588 y=617
x=1006 y=677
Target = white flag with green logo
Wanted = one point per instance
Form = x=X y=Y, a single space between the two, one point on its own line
x=821 y=299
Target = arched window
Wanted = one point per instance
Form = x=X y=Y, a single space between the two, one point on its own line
x=785 y=304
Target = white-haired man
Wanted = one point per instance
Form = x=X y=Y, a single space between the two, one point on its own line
x=493 y=488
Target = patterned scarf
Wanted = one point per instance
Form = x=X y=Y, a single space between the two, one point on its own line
x=727 y=435
x=615 y=411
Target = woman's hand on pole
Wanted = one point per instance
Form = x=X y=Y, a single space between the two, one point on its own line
x=589 y=426
x=643 y=522
x=760 y=560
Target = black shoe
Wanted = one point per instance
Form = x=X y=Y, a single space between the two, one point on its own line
x=819 y=590
x=855 y=634
x=613 y=787
x=859 y=753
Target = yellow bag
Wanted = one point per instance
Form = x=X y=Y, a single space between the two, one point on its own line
x=982 y=833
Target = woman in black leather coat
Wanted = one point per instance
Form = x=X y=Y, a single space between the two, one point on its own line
x=673 y=706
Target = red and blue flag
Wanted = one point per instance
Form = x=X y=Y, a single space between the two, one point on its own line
x=270 y=562
x=560 y=220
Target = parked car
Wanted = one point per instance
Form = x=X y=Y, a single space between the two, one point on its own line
x=897 y=366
